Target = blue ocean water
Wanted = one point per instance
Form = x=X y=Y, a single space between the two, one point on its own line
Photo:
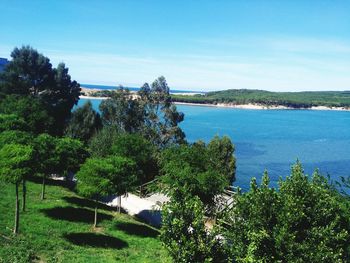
x=90 y=86
x=274 y=139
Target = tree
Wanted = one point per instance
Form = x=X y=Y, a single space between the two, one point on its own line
x=12 y=122
x=252 y=235
x=150 y=112
x=14 y=159
x=188 y=170
x=21 y=138
x=15 y=137
x=47 y=159
x=71 y=153
x=161 y=116
x=29 y=110
x=101 y=143
x=30 y=74
x=84 y=123
x=101 y=177
x=122 y=111
x=140 y=150
x=221 y=152
x=184 y=235
x=304 y=220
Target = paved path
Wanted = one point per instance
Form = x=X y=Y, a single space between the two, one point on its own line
x=147 y=209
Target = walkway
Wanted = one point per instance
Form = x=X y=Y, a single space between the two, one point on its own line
x=147 y=208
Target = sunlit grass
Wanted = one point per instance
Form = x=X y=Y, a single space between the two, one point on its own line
x=59 y=229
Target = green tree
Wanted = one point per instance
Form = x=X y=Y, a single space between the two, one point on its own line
x=304 y=220
x=102 y=177
x=253 y=236
x=122 y=111
x=101 y=143
x=184 y=234
x=84 y=123
x=71 y=154
x=15 y=137
x=31 y=74
x=46 y=158
x=12 y=122
x=221 y=152
x=140 y=150
x=149 y=112
x=31 y=110
x=161 y=116
x=21 y=138
x=14 y=163
x=188 y=170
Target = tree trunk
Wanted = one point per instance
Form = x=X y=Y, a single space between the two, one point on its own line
x=119 y=203
x=95 y=220
x=24 y=192
x=43 y=189
x=15 y=230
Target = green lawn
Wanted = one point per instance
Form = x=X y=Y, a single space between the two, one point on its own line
x=59 y=229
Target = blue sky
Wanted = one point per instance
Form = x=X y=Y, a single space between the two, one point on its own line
x=197 y=45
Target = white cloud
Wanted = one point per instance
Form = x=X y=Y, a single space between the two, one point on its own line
x=285 y=64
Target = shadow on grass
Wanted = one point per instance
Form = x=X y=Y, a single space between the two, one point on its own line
x=95 y=240
x=74 y=214
x=90 y=204
x=137 y=229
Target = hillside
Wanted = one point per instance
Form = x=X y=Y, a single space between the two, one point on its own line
x=304 y=99
x=3 y=63
x=59 y=229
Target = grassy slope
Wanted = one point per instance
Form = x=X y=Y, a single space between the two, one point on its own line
x=292 y=99
x=58 y=229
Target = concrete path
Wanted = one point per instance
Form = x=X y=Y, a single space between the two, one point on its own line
x=147 y=209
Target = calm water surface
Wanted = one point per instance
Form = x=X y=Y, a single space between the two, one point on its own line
x=274 y=139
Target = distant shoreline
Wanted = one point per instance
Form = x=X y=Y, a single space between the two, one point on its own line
x=249 y=106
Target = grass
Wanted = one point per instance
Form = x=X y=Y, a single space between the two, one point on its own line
x=59 y=229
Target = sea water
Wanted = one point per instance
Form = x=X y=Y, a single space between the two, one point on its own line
x=274 y=139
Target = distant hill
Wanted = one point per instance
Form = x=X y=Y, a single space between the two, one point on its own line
x=305 y=99
x=3 y=63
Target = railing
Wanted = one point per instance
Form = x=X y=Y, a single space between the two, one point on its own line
x=144 y=189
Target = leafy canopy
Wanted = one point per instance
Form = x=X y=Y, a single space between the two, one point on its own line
x=101 y=177
x=184 y=235
x=12 y=122
x=31 y=113
x=15 y=162
x=304 y=220
x=84 y=123
x=150 y=112
x=141 y=151
x=30 y=74
x=195 y=170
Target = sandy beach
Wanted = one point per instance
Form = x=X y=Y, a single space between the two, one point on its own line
x=239 y=106
x=250 y=106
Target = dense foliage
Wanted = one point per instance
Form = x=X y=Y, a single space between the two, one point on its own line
x=15 y=166
x=150 y=113
x=304 y=99
x=84 y=123
x=304 y=220
x=185 y=236
x=30 y=111
x=198 y=169
x=102 y=177
x=141 y=151
x=30 y=75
